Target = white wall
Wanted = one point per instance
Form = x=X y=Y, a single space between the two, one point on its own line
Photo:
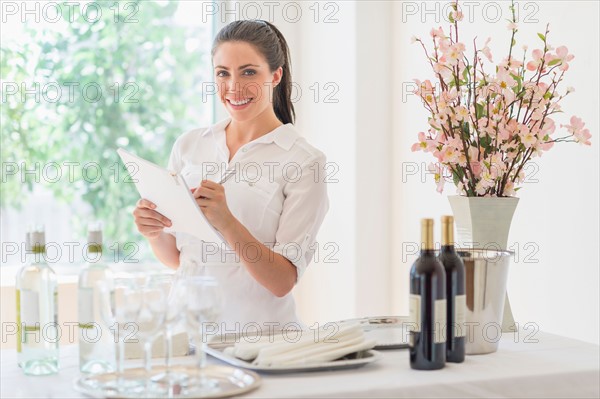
x=355 y=134
x=324 y=53
x=556 y=222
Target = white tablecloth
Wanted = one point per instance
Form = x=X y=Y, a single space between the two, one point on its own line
x=553 y=367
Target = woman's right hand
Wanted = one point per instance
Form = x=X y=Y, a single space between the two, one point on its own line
x=149 y=222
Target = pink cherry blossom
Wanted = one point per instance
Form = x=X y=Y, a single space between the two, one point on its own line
x=583 y=137
x=562 y=54
x=576 y=128
x=436 y=169
x=424 y=144
x=504 y=80
x=439 y=32
x=457 y=15
x=462 y=113
x=538 y=56
x=509 y=189
x=486 y=50
x=576 y=125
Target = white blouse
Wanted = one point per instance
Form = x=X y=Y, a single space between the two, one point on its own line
x=278 y=193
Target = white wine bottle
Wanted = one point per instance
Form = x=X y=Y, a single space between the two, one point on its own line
x=96 y=350
x=37 y=310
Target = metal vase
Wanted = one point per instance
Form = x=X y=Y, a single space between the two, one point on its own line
x=484 y=222
x=486 y=273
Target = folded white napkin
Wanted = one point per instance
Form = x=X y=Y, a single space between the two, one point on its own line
x=309 y=346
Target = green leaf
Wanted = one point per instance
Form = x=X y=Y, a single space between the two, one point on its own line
x=466 y=135
x=485 y=142
x=458 y=175
x=542 y=37
x=479 y=110
x=555 y=62
x=465 y=72
x=450 y=18
x=455 y=178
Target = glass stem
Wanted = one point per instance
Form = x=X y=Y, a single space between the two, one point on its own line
x=169 y=348
x=120 y=359
x=201 y=353
x=148 y=361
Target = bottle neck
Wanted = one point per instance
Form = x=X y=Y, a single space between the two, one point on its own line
x=427 y=252
x=447 y=232
x=94 y=255
x=37 y=255
x=427 y=239
x=447 y=248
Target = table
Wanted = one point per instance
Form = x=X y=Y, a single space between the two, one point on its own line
x=542 y=365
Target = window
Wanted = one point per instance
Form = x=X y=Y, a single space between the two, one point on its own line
x=80 y=79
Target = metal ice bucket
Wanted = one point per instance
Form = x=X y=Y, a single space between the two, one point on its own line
x=486 y=273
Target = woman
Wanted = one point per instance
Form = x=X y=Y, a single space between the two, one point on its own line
x=269 y=213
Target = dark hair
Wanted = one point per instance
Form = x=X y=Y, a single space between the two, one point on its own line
x=269 y=41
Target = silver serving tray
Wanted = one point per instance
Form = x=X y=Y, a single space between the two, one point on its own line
x=350 y=361
x=390 y=332
x=231 y=382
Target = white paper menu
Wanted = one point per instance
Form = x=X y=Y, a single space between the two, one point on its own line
x=172 y=197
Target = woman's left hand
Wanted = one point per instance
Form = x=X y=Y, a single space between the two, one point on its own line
x=210 y=197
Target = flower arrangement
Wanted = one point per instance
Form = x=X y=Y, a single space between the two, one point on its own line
x=484 y=128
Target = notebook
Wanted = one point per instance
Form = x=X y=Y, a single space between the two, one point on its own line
x=172 y=197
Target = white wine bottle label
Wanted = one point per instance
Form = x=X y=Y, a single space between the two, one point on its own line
x=415 y=312
x=30 y=308
x=460 y=314
x=440 y=321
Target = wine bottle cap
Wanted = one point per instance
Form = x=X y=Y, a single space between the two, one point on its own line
x=426 y=234
x=95 y=237
x=37 y=240
x=447 y=230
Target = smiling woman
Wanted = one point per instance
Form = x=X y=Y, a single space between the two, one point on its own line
x=270 y=214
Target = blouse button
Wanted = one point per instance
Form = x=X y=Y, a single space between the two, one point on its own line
x=244 y=149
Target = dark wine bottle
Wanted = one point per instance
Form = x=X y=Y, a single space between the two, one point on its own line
x=427 y=306
x=455 y=294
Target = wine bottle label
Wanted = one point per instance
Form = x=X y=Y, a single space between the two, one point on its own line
x=415 y=312
x=29 y=308
x=460 y=313
x=440 y=322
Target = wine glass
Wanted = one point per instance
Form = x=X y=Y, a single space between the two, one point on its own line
x=119 y=303
x=150 y=320
x=203 y=306
x=174 y=287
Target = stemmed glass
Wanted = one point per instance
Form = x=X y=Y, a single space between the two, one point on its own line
x=203 y=306
x=150 y=319
x=119 y=304
x=176 y=301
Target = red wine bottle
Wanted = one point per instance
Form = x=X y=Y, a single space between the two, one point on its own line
x=455 y=294
x=427 y=306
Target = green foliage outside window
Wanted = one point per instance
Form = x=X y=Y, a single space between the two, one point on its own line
x=149 y=74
